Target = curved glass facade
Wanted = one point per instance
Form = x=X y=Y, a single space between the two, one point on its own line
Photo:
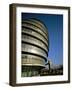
x=33 y=49
x=34 y=41
x=32 y=60
x=35 y=46
x=37 y=23
x=34 y=28
x=35 y=34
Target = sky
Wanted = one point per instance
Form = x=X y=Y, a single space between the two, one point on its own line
x=54 y=24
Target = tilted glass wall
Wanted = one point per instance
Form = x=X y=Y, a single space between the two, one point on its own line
x=34 y=47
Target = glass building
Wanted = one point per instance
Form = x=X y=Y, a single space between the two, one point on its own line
x=34 y=47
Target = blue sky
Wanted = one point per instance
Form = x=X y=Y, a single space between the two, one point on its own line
x=54 y=23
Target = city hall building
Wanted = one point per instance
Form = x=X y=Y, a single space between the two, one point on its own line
x=34 y=47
